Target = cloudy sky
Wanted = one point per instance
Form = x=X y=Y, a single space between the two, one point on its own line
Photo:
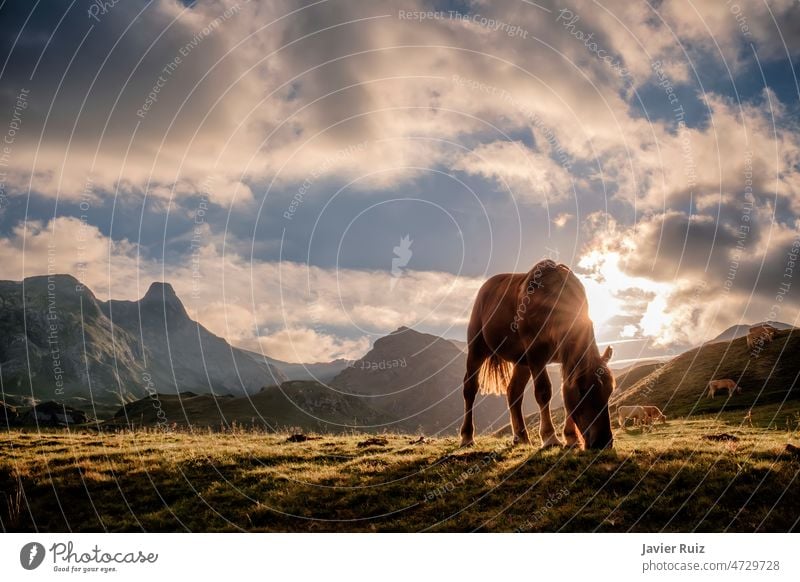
x=269 y=159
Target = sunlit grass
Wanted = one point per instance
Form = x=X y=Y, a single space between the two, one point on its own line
x=670 y=478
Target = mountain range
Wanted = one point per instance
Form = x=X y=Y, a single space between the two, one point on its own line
x=115 y=359
x=147 y=362
x=60 y=342
x=408 y=382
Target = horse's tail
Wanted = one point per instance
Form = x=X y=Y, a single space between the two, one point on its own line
x=494 y=375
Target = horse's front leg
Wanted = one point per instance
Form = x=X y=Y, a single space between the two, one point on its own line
x=544 y=392
x=571 y=432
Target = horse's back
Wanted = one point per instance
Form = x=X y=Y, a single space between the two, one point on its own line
x=512 y=309
x=494 y=309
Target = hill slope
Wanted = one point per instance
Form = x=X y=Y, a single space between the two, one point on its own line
x=297 y=405
x=628 y=377
x=737 y=331
x=678 y=387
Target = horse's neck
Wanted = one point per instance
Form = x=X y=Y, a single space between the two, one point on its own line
x=578 y=359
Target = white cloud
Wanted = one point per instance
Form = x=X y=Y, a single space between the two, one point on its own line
x=287 y=309
x=562 y=218
x=347 y=90
x=529 y=175
x=308 y=345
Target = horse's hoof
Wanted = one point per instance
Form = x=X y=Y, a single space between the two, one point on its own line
x=467 y=442
x=550 y=442
x=521 y=440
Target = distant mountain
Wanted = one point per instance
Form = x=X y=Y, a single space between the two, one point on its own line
x=408 y=381
x=737 y=331
x=56 y=343
x=315 y=372
x=679 y=386
x=59 y=342
x=180 y=354
x=460 y=345
x=416 y=379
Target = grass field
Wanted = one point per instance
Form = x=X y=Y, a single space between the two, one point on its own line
x=670 y=479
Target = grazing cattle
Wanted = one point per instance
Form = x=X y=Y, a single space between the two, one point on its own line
x=759 y=336
x=637 y=413
x=520 y=323
x=654 y=414
x=726 y=385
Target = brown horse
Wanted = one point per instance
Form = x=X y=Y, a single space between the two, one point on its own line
x=525 y=321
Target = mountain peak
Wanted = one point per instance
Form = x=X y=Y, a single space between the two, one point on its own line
x=163 y=293
x=404 y=329
x=62 y=278
x=406 y=340
x=160 y=290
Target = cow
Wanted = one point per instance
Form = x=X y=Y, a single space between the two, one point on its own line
x=760 y=335
x=637 y=413
x=727 y=385
x=654 y=414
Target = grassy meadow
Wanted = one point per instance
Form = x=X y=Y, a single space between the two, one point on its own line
x=682 y=476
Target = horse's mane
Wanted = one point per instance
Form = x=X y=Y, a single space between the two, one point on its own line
x=558 y=291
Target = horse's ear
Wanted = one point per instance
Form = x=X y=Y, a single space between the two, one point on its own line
x=607 y=354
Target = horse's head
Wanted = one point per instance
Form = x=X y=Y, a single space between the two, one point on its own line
x=586 y=395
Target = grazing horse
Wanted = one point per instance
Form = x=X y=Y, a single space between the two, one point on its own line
x=521 y=322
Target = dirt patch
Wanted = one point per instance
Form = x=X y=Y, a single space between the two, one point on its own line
x=373 y=442
x=721 y=437
x=301 y=438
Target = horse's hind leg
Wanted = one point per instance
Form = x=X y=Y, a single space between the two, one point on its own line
x=515 y=393
x=544 y=392
x=476 y=356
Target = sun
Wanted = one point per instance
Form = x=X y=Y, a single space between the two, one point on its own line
x=606 y=287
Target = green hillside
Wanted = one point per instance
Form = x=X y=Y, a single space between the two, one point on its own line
x=628 y=377
x=679 y=386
